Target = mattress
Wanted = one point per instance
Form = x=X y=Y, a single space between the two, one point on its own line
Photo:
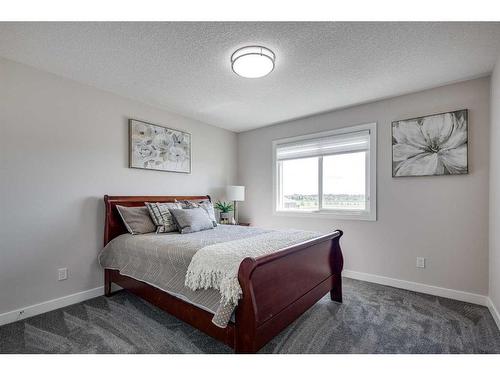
x=162 y=260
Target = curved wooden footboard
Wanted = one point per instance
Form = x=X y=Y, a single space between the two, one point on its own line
x=279 y=287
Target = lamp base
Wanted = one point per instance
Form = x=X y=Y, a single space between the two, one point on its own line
x=235 y=213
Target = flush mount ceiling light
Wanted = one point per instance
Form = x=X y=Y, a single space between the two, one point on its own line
x=253 y=61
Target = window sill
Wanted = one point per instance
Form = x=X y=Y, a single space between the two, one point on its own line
x=353 y=215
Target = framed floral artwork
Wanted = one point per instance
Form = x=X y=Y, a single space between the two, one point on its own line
x=431 y=145
x=159 y=148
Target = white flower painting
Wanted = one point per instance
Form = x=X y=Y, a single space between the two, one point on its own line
x=430 y=145
x=159 y=148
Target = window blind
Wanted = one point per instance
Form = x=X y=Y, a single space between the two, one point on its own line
x=334 y=144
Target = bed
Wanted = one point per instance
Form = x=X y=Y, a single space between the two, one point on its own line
x=276 y=288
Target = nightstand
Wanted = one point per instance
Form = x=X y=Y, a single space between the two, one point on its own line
x=240 y=224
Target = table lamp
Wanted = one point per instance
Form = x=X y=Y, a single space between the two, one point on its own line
x=235 y=194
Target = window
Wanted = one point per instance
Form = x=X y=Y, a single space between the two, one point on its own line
x=330 y=174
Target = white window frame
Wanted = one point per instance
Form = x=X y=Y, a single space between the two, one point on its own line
x=370 y=213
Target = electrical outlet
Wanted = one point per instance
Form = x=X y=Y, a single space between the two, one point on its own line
x=62 y=274
x=420 y=262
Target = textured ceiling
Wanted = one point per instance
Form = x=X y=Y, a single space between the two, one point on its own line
x=185 y=68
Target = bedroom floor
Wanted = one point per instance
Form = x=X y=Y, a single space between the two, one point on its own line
x=372 y=319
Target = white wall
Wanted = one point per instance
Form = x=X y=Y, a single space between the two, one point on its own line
x=63 y=146
x=495 y=189
x=442 y=218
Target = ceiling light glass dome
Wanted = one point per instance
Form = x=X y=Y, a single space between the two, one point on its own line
x=253 y=61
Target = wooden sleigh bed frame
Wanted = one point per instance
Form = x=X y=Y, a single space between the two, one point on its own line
x=277 y=288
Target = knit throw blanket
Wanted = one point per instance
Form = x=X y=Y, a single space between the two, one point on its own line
x=216 y=266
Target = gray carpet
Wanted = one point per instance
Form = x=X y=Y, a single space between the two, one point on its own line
x=372 y=319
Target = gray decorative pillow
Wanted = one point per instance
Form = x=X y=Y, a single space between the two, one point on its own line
x=205 y=204
x=136 y=219
x=191 y=220
x=161 y=216
x=188 y=204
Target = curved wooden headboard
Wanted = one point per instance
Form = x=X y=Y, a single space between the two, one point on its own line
x=113 y=224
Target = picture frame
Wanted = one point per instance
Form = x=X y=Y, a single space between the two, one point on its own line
x=431 y=145
x=159 y=148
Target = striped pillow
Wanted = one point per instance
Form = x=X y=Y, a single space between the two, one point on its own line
x=162 y=217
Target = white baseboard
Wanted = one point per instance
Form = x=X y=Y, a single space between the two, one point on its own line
x=40 y=308
x=417 y=287
x=494 y=312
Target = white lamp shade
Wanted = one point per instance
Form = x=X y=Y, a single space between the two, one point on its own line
x=235 y=193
